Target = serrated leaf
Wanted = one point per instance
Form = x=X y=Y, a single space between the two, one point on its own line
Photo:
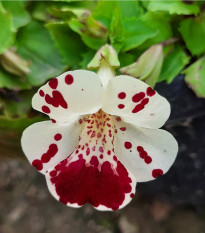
x=13 y=82
x=174 y=7
x=193 y=33
x=68 y=43
x=34 y=43
x=20 y=16
x=173 y=64
x=7 y=31
x=195 y=77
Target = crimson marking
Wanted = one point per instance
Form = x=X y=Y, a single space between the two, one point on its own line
x=46 y=109
x=138 y=97
x=41 y=93
x=121 y=95
x=69 y=79
x=121 y=106
x=128 y=145
x=37 y=164
x=53 y=83
x=78 y=183
x=58 y=137
x=157 y=172
x=150 y=92
x=56 y=100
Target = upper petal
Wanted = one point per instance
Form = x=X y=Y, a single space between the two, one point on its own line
x=147 y=153
x=69 y=95
x=46 y=144
x=135 y=102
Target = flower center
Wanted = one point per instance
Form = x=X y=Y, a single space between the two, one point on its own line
x=98 y=134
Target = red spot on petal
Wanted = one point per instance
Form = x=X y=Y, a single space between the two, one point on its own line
x=80 y=121
x=94 y=161
x=118 y=119
x=148 y=159
x=157 y=172
x=128 y=145
x=53 y=173
x=132 y=195
x=121 y=95
x=58 y=137
x=53 y=83
x=115 y=158
x=78 y=183
x=101 y=149
x=37 y=164
x=46 y=109
x=140 y=106
x=101 y=156
x=69 y=79
x=138 y=97
x=123 y=128
x=41 y=93
x=56 y=100
x=150 y=91
x=88 y=151
x=121 y=106
x=52 y=150
x=53 y=121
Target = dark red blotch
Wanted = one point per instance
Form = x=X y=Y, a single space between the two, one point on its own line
x=80 y=183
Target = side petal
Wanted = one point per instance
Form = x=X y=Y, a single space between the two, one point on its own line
x=135 y=102
x=46 y=144
x=147 y=153
x=69 y=95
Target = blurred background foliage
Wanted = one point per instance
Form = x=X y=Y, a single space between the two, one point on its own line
x=42 y=39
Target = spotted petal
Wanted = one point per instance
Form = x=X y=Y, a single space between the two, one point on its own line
x=46 y=144
x=93 y=174
x=69 y=95
x=147 y=153
x=135 y=102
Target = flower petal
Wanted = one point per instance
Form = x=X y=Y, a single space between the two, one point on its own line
x=69 y=95
x=135 y=102
x=46 y=144
x=78 y=180
x=93 y=174
x=147 y=153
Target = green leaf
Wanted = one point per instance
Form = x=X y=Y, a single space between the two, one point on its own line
x=104 y=12
x=174 y=7
x=86 y=58
x=195 y=77
x=34 y=43
x=13 y=82
x=7 y=31
x=159 y=22
x=19 y=15
x=136 y=32
x=68 y=43
x=173 y=64
x=193 y=33
x=116 y=31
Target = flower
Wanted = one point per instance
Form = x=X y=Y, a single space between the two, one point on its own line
x=103 y=137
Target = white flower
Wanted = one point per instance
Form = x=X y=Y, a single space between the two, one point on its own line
x=103 y=138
